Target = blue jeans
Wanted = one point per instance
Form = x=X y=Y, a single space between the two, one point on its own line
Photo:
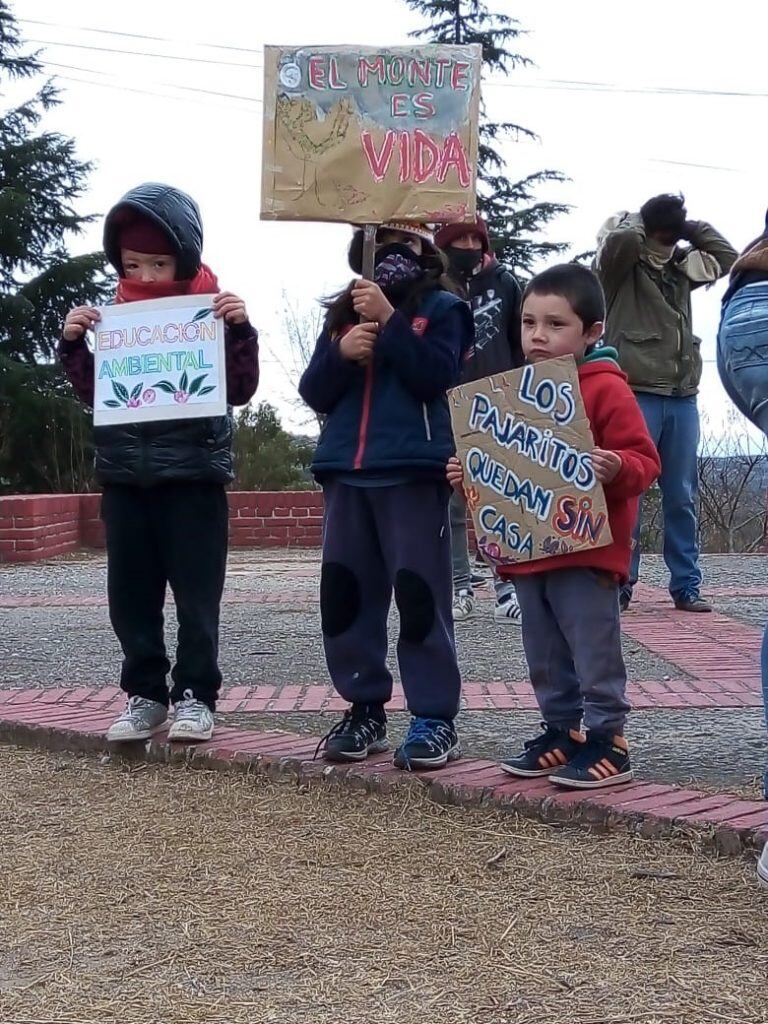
x=673 y=424
x=742 y=360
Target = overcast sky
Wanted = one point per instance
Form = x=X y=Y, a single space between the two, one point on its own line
x=627 y=101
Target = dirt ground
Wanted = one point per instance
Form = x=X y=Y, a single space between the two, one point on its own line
x=156 y=894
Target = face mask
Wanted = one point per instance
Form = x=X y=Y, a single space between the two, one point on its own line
x=396 y=264
x=464 y=262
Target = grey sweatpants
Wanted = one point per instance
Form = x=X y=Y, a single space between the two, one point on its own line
x=572 y=641
x=377 y=540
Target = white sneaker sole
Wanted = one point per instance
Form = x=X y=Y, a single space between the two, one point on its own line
x=526 y=773
x=613 y=780
x=338 y=757
x=762 y=876
x=432 y=762
x=145 y=734
x=176 y=735
x=507 y=620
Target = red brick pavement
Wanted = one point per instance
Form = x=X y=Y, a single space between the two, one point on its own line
x=78 y=720
x=718 y=657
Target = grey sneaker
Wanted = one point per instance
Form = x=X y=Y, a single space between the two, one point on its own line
x=140 y=720
x=762 y=868
x=463 y=605
x=193 y=722
x=692 y=602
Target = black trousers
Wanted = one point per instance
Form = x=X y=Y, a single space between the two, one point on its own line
x=175 y=534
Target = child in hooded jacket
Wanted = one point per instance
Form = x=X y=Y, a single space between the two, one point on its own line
x=164 y=504
x=381 y=384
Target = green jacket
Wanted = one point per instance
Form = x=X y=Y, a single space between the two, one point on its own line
x=649 y=310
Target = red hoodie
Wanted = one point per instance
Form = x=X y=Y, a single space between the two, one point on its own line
x=618 y=426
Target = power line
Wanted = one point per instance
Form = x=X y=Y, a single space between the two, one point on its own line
x=140 y=53
x=168 y=85
x=145 y=92
x=562 y=85
x=546 y=84
x=136 y=35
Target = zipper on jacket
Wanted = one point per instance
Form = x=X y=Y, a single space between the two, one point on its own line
x=365 y=416
x=427 y=427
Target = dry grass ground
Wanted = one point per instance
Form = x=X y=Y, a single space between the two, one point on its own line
x=155 y=894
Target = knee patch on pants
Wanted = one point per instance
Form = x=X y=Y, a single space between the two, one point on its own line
x=339 y=598
x=416 y=605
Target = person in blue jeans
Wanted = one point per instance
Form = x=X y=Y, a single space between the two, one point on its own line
x=742 y=361
x=648 y=279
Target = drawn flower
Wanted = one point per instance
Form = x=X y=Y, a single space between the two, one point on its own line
x=133 y=403
x=473 y=498
x=149 y=396
x=490 y=550
x=181 y=397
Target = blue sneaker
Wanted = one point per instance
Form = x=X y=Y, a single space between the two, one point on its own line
x=430 y=743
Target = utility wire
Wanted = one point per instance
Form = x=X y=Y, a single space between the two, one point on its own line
x=136 y=35
x=141 y=53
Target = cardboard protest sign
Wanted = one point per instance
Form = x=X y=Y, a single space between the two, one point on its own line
x=366 y=135
x=159 y=360
x=525 y=442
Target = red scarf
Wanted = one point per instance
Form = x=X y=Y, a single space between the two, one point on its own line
x=203 y=283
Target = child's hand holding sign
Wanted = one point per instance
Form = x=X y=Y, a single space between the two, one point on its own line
x=370 y=302
x=454 y=472
x=606 y=464
x=357 y=344
x=79 y=320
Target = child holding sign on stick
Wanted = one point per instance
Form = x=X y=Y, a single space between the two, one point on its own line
x=163 y=503
x=381 y=460
x=570 y=602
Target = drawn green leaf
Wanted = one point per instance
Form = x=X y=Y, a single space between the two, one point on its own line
x=165 y=385
x=201 y=314
x=111 y=403
x=194 y=387
x=183 y=383
x=205 y=391
x=120 y=391
x=137 y=390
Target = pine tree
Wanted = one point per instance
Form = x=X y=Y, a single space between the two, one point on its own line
x=513 y=214
x=43 y=429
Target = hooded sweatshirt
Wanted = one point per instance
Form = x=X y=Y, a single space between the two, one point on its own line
x=617 y=425
x=151 y=453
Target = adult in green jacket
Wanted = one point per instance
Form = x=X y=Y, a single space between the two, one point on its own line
x=648 y=277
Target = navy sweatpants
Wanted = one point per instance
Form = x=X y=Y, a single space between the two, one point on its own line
x=376 y=540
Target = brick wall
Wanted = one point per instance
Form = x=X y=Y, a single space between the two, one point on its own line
x=40 y=526
x=280 y=519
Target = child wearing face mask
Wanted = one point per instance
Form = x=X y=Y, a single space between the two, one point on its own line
x=163 y=503
x=494 y=295
x=381 y=384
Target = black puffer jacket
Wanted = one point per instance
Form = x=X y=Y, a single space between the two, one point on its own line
x=148 y=454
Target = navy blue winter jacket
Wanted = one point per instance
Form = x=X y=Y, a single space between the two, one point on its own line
x=391 y=415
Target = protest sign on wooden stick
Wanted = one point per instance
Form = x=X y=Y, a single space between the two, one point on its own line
x=524 y=441
x=366 y=135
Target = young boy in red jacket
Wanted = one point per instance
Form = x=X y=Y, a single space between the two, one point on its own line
x=570 y=603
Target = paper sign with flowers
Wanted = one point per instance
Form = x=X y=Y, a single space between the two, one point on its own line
x=159 y=360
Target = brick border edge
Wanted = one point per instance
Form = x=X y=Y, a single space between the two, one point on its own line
x=477 y=786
